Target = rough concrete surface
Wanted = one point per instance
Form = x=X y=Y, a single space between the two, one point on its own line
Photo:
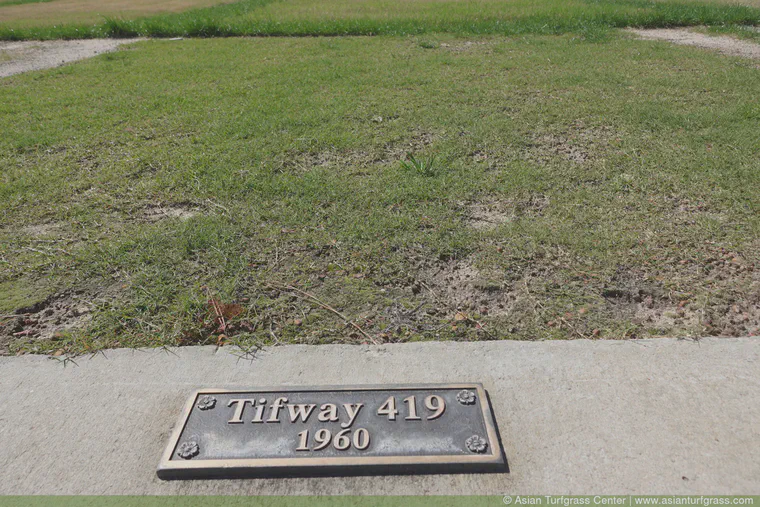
x=22 y=56
x=722 y=44
x=576 y=417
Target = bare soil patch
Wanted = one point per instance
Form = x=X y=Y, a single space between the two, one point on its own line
x=491 y=212
x=731 y=309
x=577 y=143
x=722 y=44
x=25 y=56
x=459 y=288
x=52 y=318
x=392 y=152
x=486 y=215
x=42 y=230
x=642 y=302
x=155 y=213
x=464 y=46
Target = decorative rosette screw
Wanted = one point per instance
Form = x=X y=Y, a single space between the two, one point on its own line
x=466 y=397
x=207 y=403
x=476 y=444
x=188 y=450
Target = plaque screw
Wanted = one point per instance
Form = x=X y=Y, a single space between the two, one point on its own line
x=207 y=403
x=466 y=397
x=188 y=450
x=476 y=444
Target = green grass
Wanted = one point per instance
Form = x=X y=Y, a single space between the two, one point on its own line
x=397 y=17
x=577 y=189
x=4 y=3
x=751 y=33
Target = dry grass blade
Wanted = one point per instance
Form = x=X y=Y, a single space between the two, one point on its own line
x=324 y=305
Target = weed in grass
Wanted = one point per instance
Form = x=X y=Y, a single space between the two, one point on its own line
x=428 y=44
x=424 y=165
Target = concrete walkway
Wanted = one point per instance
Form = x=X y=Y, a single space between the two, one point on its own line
x=648 y=417
x=23 y=56
x=724 y=44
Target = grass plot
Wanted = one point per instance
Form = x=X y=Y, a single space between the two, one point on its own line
x=54 y=13
x=322 y=190
x=81 y=18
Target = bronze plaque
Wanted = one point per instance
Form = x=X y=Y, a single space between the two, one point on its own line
x=356 y=430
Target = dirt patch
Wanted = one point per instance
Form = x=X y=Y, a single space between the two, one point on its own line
x=392 y=152
x=299 y=161
x=486 y=215
x=577 y=143
x=492 y=212
x=630 y=295
x=41 y=230
x=463 y=46
x=49 y=319
x=662 y=317
x=48 y=238
x=717 y=293
x=457 y=286
x=18 y=57
x=688 y=212
x=155 y=213
x=55 y=317
x=722 y=44
x=731 y=309
x=561 y=145
x=418 y=142
x=734 y=305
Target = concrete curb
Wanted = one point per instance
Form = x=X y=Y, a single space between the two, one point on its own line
x=576 y=417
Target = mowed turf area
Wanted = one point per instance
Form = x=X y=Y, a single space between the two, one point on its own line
x=54 y=13
x=116 y=18
x=379 y=189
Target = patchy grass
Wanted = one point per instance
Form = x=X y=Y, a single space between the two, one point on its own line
x=252 y=191
x=5 y=3
x=78 y=13
x=373 y=17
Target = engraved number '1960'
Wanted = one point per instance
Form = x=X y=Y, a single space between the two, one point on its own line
x=342 y=440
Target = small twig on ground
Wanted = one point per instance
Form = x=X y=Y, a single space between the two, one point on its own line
x=274 y=336
x=48 y=253
x=141 y=321
x=432 y=293
x=217 y=205
x=324 y=305
x=572 y=328
x=276 y=256
x=479 y=326
x=217 y=311
x=36 y=250
x=538 y=304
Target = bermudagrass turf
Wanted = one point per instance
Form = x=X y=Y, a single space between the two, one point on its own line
x=559 y=189
x=397 y=17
